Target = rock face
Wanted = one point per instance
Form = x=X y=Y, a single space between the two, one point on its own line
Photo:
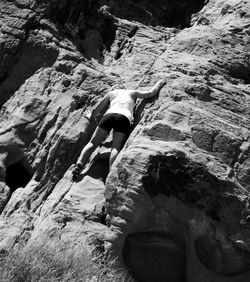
x=178 y=193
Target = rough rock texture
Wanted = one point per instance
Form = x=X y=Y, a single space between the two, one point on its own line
x=178 y=194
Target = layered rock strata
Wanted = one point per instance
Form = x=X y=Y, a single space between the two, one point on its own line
x=178 y=193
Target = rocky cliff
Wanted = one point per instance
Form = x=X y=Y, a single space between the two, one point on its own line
x=175 y=206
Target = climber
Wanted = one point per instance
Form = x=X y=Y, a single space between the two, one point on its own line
x=118 y=105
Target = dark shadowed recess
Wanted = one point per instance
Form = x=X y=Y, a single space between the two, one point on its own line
x=155 y=257
x=31 y=59
x=12 y=35
x=177 y=13
x=71 y=11
x=89 y=24
x=238 y=68
x=92 y=25
x=241 y=72
x=98 y=170
x=222 y=259
x=189 y=182
x=168 y=13
x=17 y=176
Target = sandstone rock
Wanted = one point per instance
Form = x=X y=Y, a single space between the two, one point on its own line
x=5 y=194
x=178 y=193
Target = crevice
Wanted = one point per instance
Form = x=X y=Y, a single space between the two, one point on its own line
x=99 y=169
x=236 y=155
x=17 y=175
x=103 y=216
x=236 y=72
x=98 y=215
x=133 y=31
x=124 y=43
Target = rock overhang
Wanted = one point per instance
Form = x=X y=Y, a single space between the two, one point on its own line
x=146 y=211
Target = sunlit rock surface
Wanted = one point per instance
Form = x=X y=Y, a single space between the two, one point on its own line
x=175 y=206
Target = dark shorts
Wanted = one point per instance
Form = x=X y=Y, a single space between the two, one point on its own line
x=118 y=122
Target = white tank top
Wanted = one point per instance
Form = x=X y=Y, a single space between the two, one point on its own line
x=122 y=103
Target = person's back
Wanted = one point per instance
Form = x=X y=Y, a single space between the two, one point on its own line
x=122 y=102
x=119 y=106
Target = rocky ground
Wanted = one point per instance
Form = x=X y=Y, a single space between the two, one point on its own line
x=177 y=197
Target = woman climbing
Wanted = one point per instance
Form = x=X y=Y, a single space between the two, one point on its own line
x=118 y=105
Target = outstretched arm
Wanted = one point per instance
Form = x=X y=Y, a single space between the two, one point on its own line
x=150 y=93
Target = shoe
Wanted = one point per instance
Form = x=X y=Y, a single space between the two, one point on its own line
x=76 y=170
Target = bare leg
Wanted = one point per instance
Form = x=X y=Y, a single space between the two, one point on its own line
x=118 y=140
x=98 y=136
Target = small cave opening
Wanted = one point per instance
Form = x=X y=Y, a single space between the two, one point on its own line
x=17 y=176
x=155 y=257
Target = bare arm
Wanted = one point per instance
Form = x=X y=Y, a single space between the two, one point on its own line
x=101 y=106
x=150 y=93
